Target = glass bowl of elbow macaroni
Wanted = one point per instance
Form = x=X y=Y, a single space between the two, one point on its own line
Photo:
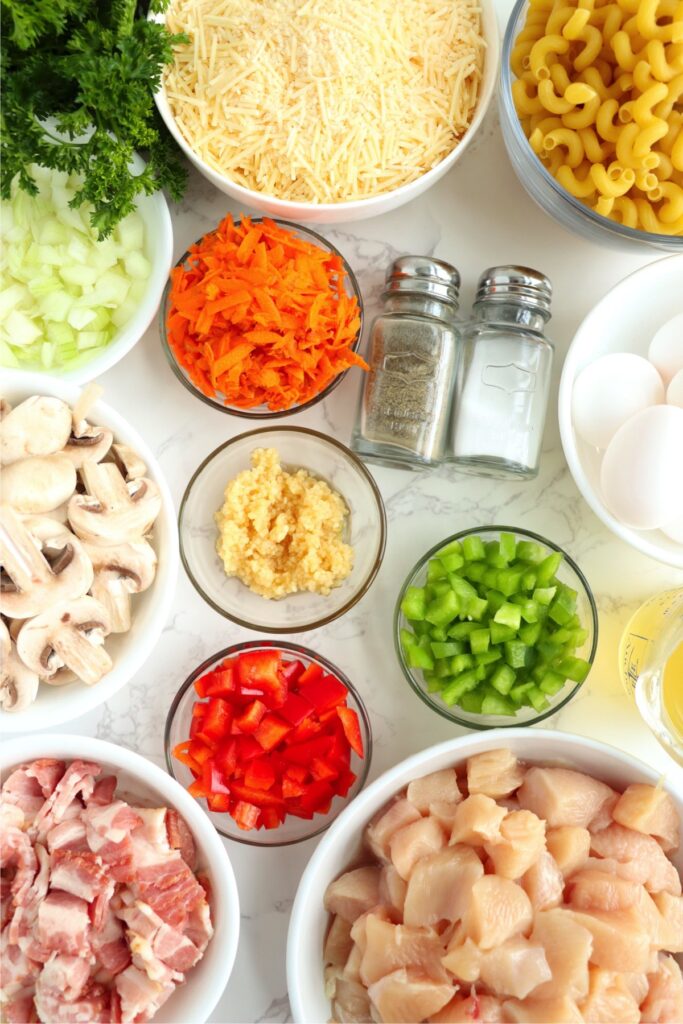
x=591 y=106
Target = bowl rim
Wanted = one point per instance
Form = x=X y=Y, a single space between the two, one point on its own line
x=164 y=585
x=261 y=412
x=415 y=765
x=359 y=207
x=362 y=589
x=635 y=538
x=21 y=749
x=443 y=709
x=605 y=223
x=311 y=656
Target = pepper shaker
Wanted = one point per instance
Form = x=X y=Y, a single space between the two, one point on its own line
x=414 y=349
x=504 y=377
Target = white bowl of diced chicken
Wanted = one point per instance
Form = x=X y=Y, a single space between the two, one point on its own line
x=88 y=552
x=119 y=902
x=530 y=877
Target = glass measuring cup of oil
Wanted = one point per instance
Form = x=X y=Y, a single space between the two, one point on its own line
x=651 y=667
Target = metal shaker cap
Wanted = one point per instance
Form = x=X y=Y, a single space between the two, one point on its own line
x=423 y=275
x=518 y=285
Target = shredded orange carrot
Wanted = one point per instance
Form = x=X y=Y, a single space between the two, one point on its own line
x=258 y=316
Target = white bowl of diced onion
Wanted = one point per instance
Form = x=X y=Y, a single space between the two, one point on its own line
x=73 y=305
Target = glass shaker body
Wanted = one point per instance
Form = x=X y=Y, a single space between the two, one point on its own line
x=407 y=395
x=502 y=391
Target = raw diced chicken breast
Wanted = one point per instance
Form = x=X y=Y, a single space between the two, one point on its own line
x=562 y=796
x=619 y=941
x=441 y=786
x=521 y=841
x=597 y=890
x=497 y=910
x=664 y=1001
x=650 y=810
x=359 y=927
x=556 y=1010
x=567 y=946
x=465 y=1010
x=570 y=846
x=463 y=960
x=409 y=996
x=604 y=816
x=543 y=882
x=352 y=965
x=338 y=942
x=392 y=889
x=637 y=984
x=644 y=857
x=609 y=1001
x=414 y=841
x=350 y=1002
x=439 y=886
x=671 y=909
x=444 y=812
x=390 y=946
x=477 y=821
x=494 y=773
x=515 y=968
x=379 y=832
x=353 y=893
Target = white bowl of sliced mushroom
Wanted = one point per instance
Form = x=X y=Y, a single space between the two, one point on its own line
x=88 y=552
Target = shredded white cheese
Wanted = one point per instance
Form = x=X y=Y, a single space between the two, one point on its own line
x=324 y=100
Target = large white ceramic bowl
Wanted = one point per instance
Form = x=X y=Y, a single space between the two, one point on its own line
x=150 y=610
x=623 y=321
x=192 y=1002
x=360 y=209
x=342 y=843
x=159 y=251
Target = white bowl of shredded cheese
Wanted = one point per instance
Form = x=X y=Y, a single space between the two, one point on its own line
x=327 y=112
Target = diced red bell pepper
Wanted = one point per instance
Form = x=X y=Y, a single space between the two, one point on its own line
x=225 y=757
x=297 y=772
x=303 y=753
x=318 y=797
x=200 y=752
x=196 y=788
x=217 y=720
x=305 y=730
x=198 y=709
x=292 y=790
x=249 y=720
x=220 y=682
x=270 y=818
x=271 y=731
x=246 y=815
x=247 y=747
x=260 y=774
x=291 y=671
x=321 y=769
x=324 y=693
x=181 y=752
x=259 y=797
x=296 y=708
x=260 y=670
x=218 y=802
x=312 y=674
x=214 y=780
x=344 y=782
x=349 y=719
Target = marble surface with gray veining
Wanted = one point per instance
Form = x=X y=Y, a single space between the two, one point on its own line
x=476 y=216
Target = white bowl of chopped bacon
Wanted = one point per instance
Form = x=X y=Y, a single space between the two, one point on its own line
x=118 y=896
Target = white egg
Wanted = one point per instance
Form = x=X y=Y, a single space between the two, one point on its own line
x=642 y=470
x=674 y=392
x=666 y=348
x=674 y=530
x=611 y=390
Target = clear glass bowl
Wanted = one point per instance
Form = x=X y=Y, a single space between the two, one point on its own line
x=262 y=412
x=568 y=211
x=292 y=830
x=568 y=573
x=322 y=457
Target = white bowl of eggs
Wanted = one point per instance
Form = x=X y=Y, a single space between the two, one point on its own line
x=621 y=410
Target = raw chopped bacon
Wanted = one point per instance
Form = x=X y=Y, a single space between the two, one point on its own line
x=101 y=914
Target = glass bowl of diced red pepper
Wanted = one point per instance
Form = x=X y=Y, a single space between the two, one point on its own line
x=272 y=739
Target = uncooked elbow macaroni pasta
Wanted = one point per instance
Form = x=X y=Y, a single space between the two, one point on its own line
x=599 y=93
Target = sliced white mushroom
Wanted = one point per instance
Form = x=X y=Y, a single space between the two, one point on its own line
x=5 y=642
x=129 y=462
x=121 y=570
x=68 y=636
x=41 y=563
x=38 y=484
x=38 y=426
x=112 y=511
x=5 y=407
x=18 y=684
x=90 y=445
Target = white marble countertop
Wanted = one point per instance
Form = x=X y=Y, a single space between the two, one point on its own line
x=478 y=215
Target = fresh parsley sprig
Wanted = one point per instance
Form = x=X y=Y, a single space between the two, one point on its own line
x=78 y=79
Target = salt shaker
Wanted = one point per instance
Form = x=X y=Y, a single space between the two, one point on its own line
x=414 y=349
x=504 y=377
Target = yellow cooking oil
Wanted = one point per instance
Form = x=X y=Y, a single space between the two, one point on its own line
x=651 y=666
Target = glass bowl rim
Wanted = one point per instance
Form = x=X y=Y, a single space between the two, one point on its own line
x=367 y=582
x=251 y=414
x=306 y=652
x=605 y=223
x=444 y=710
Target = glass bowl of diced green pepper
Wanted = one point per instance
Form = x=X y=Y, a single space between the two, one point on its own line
x=496 y=627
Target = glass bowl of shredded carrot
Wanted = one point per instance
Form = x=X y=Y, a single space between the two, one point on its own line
x=261 y=318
